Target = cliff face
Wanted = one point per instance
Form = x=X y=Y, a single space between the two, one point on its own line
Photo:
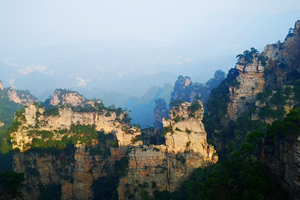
x=74 y=173
x=33 y=118
x=166 y=167
x=282 y=159
x=75 y=169
x=68 y=97
x=274 y=69
x=251 y=82
x=105 y=148
x=61 y=97
x=21 y=97
x=10 y=101
x=262 y=87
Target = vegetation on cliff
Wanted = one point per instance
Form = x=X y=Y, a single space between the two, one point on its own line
x=10 y=183
x=241 y=175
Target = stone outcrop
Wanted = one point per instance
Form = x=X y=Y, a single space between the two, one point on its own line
x=75 y=173
x=1 y=85
x=34 y=118
x=61 y=97
x=251 y=82
x=166 y=167
x=273 y=69
x=21 y=97
x=76 y=169
x=185 y=130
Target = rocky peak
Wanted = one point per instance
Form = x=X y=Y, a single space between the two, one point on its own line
x=61 y=97
x=20 y=96
x=13 y=96
x=166 y=167
x=35 y=118
x=1 y=85
x=185 y=130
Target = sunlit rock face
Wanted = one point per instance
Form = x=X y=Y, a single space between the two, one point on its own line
x=275 y=68
x=251 y=82
x=74 y=169
x=166 y=167
x=20 y=97
x=34 y=118
x=61 y=97
x=152 y=167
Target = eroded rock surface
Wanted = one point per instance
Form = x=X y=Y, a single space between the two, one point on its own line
x=166 y=167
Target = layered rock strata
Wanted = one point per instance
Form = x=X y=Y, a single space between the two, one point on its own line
x=275 y=68
x=74 y=169
x=33 y=118
x=166 y=167
x=251 y=82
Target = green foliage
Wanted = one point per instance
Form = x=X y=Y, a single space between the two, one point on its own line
x=176 y=103
x=102 y=137
x=263 y=96
x=96 y=150
x=219 y=98
x=188 y=131
x=263 y=60
x=84 y=133
x=136 y=125
x=168 y=129
x=194 y=107
x=51 y=112
x=107 y=114
x=14 y=127
x=241 y=176
x=7 y=110
x=20 y=114
x=247 y=56
x=136 y=138
x=278 y=99
x=114 y=143
x=105 y=188
x=178 y=129
x=217 y=104
x=121 y=167
x=178 y=118
x=145 y=194
x=46 y=134
x=50 y=191
x=10 y=184
x=290 y=125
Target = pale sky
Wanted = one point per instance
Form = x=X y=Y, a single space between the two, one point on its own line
x=34 y=23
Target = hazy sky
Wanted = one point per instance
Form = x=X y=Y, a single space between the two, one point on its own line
x=34 y=23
